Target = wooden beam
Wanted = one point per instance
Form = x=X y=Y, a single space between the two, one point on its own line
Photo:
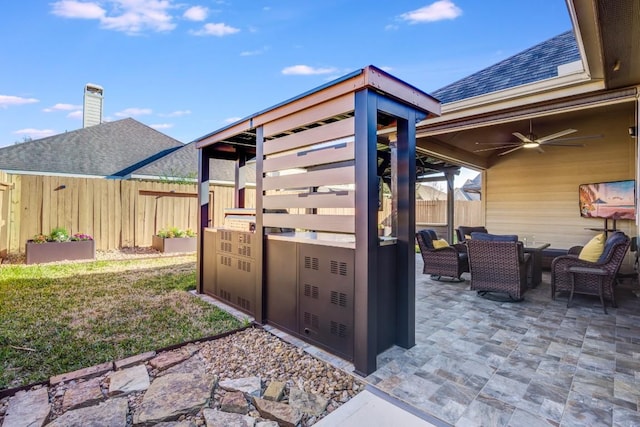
x=166 y=194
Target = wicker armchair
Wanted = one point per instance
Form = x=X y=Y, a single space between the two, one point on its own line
x=603 y=273
x=464 y=231
x=498 y=266
x=450 y=261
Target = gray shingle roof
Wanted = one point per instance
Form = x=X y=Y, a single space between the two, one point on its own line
x=537 y=63
x=183 y=163
x=110 y=149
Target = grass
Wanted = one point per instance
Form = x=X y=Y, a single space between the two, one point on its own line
x=57 y=318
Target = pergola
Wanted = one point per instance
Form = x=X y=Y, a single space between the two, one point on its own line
x=311 y=262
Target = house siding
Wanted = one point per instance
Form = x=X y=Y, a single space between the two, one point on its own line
x=528 y=193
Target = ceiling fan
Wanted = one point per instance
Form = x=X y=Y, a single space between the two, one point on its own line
x=531 y=140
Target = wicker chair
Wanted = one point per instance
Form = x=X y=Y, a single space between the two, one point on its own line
x=450 y=261
x=464 y=231
x=603 y=273
x=498 y=266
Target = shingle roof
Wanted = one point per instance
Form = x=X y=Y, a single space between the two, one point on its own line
x=110 y=149
x=537 y=63
x=183 y=163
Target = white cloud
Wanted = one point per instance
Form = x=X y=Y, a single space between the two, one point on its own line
x=61 y=107
x=254 y=52
x=77 y=9
x=178 y=113
x=130 y=112
x=75 y=115
x=196 y=13
x=9 y=100
x=437 y=11
x=306 y=70
x=218 y=29
x=161 y=126
x=232 y=120
x=129 y=16
x=35 y=133
x=391 y=27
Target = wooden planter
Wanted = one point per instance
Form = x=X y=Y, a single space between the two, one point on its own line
x=175 y=244
x=60 y=251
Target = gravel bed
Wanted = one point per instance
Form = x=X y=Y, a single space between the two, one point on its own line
x=251 y=352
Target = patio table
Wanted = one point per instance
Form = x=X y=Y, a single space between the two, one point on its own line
x=535 y=249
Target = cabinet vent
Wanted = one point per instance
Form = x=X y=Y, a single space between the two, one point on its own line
x=311 y=319
x=338 y=329
x=339 y=298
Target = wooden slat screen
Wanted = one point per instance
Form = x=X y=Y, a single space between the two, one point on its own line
x=328 y=132
x=310 y=174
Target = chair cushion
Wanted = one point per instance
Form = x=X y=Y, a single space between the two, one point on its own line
x=494 y=237
x=593 y=250
x=611 y=242
x=439 y=243
x=428 y=236
x=464 y=232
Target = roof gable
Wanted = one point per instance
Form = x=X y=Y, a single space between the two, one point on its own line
x=109 y=149
x=537 y=63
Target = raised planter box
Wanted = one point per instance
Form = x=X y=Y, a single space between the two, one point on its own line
x=60 y=251
x=174 y=244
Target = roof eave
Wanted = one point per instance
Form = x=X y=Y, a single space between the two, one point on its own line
x=520 y=96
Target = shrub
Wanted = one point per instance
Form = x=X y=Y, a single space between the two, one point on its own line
x=171 y=232
x=59 y=234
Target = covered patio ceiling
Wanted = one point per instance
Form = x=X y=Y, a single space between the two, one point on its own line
x=457 y=141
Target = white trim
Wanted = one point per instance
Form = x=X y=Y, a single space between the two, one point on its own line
x=499 y=118
x=545 y=90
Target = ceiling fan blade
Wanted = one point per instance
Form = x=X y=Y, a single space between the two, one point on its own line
x=562 y=144
x=497 y=148
x=544 y=139
x=540 y=150
x=510 y=151
x=521 y=137
x=574 y=138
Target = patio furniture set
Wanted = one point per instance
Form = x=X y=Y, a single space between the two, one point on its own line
x=504 y=264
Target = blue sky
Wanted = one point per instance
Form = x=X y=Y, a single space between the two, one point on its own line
x=190 y=67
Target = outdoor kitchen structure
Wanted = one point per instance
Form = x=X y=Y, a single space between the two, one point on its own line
x=309 y=258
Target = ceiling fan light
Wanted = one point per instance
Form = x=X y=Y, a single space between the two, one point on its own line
x=531 y=145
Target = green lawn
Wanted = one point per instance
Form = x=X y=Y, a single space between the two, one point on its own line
x=58 y=318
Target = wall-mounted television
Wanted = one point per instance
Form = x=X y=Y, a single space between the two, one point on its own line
x=609 y=200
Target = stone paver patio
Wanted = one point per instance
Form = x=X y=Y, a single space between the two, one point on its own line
x=484 y=362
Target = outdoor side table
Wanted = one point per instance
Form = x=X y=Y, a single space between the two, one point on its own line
x=588 y=270
x=535 y=249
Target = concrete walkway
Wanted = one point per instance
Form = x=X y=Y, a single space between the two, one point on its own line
x=369 y=408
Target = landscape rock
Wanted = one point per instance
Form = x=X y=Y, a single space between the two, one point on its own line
x=90 y=372
x=234 y=401
x=249 y=385
x=267 y=424
x=134 y=360
x=82 y=394
x=285 y=415
x=110 y=413
x=129 y=380
x=216 y=418
x=28 y=408
x=274 y=391
x=308 y=403
x=173 y=395
x=193 y=364
x=176 y=424
x=168 y=359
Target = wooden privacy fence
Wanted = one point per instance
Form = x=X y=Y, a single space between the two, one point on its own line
x=435 y=212
x=117 y=213
x=121 y=213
